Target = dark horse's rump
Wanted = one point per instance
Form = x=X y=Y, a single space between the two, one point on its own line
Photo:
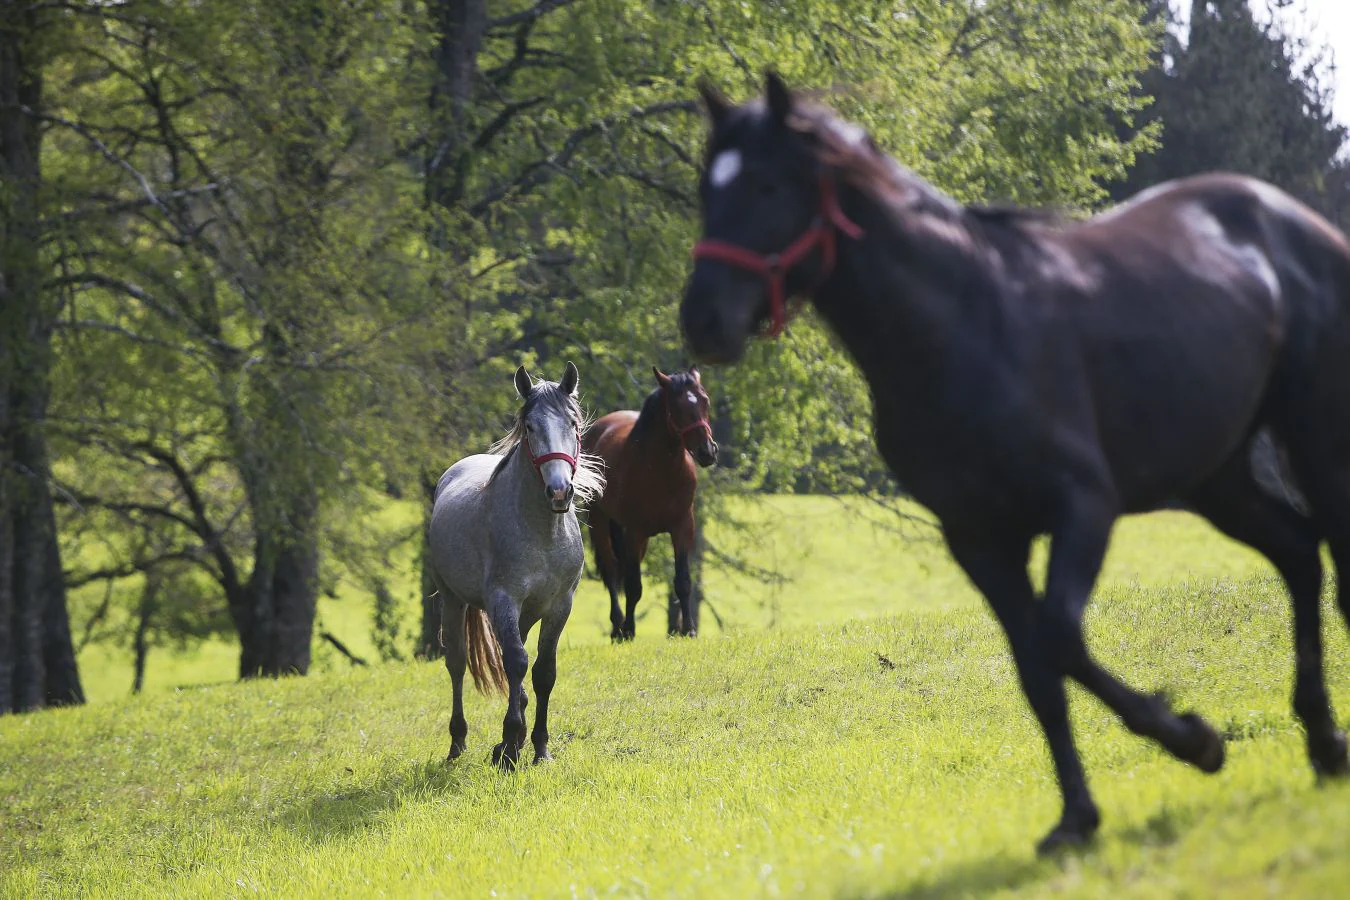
x=1034 y=377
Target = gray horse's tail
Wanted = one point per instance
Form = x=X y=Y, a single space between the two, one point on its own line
x=485 y=654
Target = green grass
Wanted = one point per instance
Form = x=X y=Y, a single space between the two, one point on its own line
x=841 y=560
x=764 y=762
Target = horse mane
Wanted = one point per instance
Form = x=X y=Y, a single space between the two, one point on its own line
x=588 y=482
x=852 y=152
x=653 y=410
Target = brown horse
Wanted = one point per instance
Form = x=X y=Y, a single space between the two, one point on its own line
x=1039 y=377
x=649 y=489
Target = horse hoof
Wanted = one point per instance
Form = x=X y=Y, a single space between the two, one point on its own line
x=1066 y=838
x=456 y=751
x=505 y=757
x=1207 y=751
x=1328 y=754
x=542 y=756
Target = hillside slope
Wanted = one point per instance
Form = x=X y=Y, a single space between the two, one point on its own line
x=837 y=560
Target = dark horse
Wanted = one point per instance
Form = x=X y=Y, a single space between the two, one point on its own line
x=1032 y=376
x=649 y=489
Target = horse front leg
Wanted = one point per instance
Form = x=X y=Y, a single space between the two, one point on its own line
x=505 y=616
x=545 y=672
x=1077 y=548
x=998 y=568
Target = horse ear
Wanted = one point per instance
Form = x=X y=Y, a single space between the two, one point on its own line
x=523 y=383
x=571 y=376
x=661 y=377
x=715 y=102
x=778 y=95
x=693 y=370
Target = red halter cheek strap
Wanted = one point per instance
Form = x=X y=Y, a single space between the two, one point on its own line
x=774 y=267
x=538 y=461
x=679 y=432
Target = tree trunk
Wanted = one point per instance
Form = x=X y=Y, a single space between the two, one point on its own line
x=37 y=659
x=149 y=603
x=276 y=627
x=459 y=26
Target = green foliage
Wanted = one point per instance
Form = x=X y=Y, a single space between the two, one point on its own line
x=300 y=251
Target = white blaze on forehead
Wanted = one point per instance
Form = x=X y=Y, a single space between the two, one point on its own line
x=725 y=167
x=690 y=395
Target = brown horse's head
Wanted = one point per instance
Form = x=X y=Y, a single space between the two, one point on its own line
x=686 y=405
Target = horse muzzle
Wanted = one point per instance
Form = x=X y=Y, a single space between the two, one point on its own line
x=716 y=314
x=705 y=454
x=560 y=497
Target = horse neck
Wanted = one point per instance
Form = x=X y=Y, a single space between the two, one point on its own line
x=652 y=432
x=906 y=297
x=521 y=484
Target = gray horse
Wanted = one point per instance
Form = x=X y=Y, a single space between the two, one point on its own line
x=506 y=553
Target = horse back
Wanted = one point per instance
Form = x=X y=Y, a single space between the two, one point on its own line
x=1206 y=292
x=648 y=489
x=608 y=434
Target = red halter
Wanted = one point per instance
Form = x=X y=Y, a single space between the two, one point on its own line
x=774 y=267
x=681 y=432
x=538 y=461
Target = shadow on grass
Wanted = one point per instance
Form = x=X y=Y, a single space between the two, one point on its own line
x=340 y=813
x=1167 y=826
x=977 y=878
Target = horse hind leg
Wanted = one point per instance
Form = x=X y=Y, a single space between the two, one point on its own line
x=606 y=539
x=1253 y=500
x=634 y=550
x=456 y=660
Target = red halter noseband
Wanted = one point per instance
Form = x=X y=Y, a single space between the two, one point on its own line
x=774 y=267
x=538 y=461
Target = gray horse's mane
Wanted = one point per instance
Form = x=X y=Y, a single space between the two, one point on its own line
x=589 y=481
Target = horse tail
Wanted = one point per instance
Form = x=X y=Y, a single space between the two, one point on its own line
x=485 y=654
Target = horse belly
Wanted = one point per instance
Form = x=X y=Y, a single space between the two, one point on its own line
x=457 y=533
x=1169 y=425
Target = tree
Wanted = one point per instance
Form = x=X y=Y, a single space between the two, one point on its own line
x=37 y=659
x=1236 y=97
x=232 y=292
x=298 y=247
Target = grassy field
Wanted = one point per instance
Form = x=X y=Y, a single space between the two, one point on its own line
x=839 y=560
x=872 y=744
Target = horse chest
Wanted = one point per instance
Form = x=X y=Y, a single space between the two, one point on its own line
x=653 y=499
x=966 y=468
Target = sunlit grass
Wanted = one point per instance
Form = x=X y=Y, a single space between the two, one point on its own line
x=787 y=762
x=860 y=733
x=839 y=560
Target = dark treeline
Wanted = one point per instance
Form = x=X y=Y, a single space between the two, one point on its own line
x=265 y=268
